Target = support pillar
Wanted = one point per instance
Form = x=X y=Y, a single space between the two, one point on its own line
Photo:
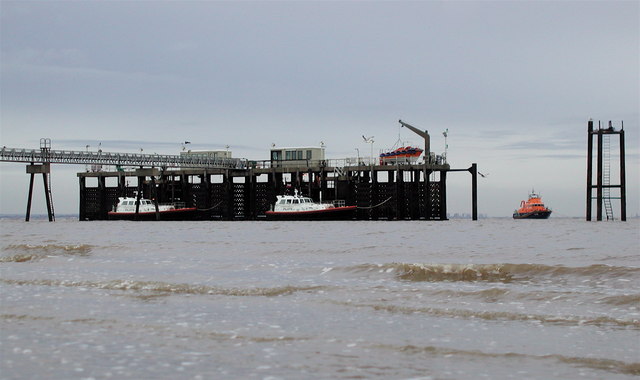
x=47 y=196
x=443 y=195
x=599 y=178
x=373 y=196
x=399 y=192
x=252 y=211
x=154 y=194
x=427 y=193
x=623 y=180
x=102 y=197
x=589 y=168
x=43 y=169
x=474 y=191
x=122 y=189
x=26 y=219
x=138 y=197
x=82 y=214
x=228 y=181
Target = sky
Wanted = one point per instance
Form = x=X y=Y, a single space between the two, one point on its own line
x=513 y=82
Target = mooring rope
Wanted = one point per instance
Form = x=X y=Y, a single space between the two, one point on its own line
x=378 y=205
x=210 y=208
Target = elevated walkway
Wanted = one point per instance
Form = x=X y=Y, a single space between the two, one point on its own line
x=41 y=156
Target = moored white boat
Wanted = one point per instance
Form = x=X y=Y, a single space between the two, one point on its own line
x=297 y=207
x=126 y=210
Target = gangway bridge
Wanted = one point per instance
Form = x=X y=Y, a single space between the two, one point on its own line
x=47 y=156
x=40 y=161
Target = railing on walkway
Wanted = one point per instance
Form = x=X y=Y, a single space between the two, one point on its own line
x=337 y=163
x=118 y=159
x=95 y=159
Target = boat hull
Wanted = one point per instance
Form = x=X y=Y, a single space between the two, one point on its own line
x=335 y=213
x=177 y=214
x=532 y=215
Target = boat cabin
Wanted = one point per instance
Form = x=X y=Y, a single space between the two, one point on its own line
x=294 y=200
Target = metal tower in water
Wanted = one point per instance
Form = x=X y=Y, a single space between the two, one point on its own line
x=603 y=184
x=45 y=169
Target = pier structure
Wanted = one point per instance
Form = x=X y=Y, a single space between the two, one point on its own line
x=43 y=168
x=381 y=192
x=603 y=184
x=40 y=161
x=225 y=188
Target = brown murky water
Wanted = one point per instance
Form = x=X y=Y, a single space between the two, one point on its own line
x=493 y=299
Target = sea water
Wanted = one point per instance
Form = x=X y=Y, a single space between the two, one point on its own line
x=458 y=299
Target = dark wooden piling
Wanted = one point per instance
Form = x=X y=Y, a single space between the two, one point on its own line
x=45 y=170
x=589 y=167
x=28 y=216
x=623 y=179
x=474 y=191
x=599 y=177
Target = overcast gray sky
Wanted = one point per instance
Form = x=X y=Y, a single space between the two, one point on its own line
x=514 y=82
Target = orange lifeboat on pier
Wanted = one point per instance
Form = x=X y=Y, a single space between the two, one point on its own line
x=533 y=208
x=404 y=154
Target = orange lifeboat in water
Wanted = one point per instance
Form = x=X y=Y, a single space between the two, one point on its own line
x=533 y=208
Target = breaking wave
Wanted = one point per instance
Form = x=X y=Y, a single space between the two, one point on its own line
x=491 y=272
x=630 y=299
x=500 y=315
x=163 y=288
x=20 y=253
x=615 y=366
x=488 y=295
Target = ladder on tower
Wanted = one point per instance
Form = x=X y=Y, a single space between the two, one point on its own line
x=49 y=197
x=606 y=176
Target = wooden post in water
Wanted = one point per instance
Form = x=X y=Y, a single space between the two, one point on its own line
x=623 y=179
x=26 y=219
x=82 y=214
x=474 y=191
x=599 y=176
x=443 y=195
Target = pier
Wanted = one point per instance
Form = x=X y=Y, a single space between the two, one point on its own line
x=381 y=192
x=224 y=188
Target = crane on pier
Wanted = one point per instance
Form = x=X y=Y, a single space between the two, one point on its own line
x=425 y=135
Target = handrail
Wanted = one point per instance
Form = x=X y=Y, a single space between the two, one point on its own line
x=118 y=159
x=174 y=161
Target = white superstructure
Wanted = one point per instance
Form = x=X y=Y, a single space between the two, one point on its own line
x=128 y=205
